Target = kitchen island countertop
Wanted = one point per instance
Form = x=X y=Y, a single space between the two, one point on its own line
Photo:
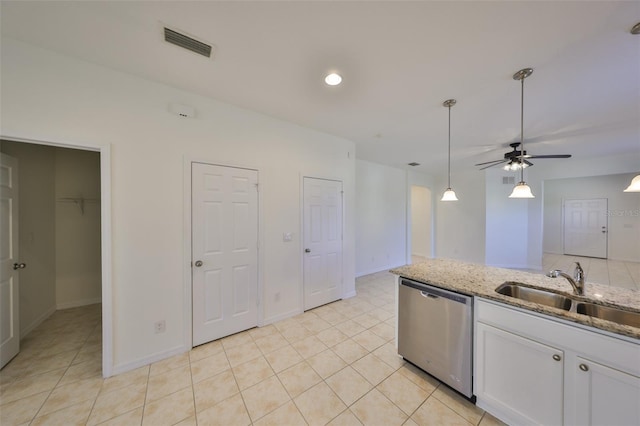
x=479 y=280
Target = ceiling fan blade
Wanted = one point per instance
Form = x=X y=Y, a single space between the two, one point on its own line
x=528 y=163
x=491 y=165
x=488 y=162
x=550 y=156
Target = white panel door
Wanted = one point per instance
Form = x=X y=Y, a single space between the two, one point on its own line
x=322 y=229
x=9 y=274
x=225 y=251
x=585 y=227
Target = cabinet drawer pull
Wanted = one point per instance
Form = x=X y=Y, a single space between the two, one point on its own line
x=557 y=357
x=584 y=367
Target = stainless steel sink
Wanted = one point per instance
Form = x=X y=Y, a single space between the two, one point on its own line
x=518 y=291
x=609 y=313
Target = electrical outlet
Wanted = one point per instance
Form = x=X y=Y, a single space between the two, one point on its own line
x=160 y=326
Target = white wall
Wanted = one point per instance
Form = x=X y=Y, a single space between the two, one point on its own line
x=623 y=220
x=381 y=224
x=50 y=97
x=460 y=225
x=36 y=228
x=78 y=269
x=420 y=207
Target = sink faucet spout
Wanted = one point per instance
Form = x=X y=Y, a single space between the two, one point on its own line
x=577 y=281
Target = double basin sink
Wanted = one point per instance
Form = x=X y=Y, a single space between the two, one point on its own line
x=559 y=301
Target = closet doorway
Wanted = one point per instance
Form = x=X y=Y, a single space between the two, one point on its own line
x=60 y=227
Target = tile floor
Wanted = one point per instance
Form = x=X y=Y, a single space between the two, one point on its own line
x=335 y=365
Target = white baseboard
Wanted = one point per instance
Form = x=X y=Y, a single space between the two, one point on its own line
x=76 y=303
x=28 y=329
x=141 y=362
x=349 y=294
x=377 y=269
x=271 y=320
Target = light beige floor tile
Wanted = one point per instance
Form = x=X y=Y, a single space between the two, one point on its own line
x=236 y=340
x=45 y=364
x=211 y=391
x=403 y=392
x=231 y=411
x=167 y=383
x=309 y=347
x=283 y=358
x=295 y=333
x=369 y=340
x=75 y=414
x=21 y=410
x=139 y=376
x=242 y=353
x=286 y=323
x=350 y=328
x=346 y=418
x=89 y=353
x=299 y=378
x=435 y=413
x=349 y=385
x=271 y=343
x=385 y=331
x=84 y=370
x=260 y=332
x=419 y=377
x=331 y=336
x=263 y=398
x=130 y=418
x=252 y=372
x=375 y=409
x=349 y=351
x=67 y=395
x=169 y=410
x=319 y=404
x=189 y=421
x=457 y=403
x=206 y=350
x=372 y=369
x=171 y=363
x=334 y=317
x=410 y=422
x=489 y=420
x=326 y=363
x=209 y=367
x=112 y=404
x=380 y=314
x=316 y=325
x=366 y=320
x=31 y=385
x=389 y=354
x=286 y=415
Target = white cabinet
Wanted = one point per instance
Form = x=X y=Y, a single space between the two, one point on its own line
x=519 y=375
x=534 y=369
x=605 y=396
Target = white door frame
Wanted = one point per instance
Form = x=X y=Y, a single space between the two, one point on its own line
x=188 y=253
x=105 y=237
x=343 y=293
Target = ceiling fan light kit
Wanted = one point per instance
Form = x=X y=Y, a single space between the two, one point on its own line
x=449 y=194
x=634 y=186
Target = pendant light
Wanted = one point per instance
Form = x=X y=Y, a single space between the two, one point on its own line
x=634 y=186
x=449 y=194
x=522 y=190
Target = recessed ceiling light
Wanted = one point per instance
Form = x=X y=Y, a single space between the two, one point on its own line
x=333 y=79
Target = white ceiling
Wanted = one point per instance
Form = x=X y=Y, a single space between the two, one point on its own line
x=399 y=61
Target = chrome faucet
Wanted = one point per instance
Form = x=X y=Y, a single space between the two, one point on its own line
x=577 y=281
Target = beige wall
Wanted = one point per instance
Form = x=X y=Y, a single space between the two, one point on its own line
x=78 y=272
x=36 y=228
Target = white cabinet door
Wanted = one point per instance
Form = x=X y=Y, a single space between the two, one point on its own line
x=322 y=241
x=225 y=251
x=520 y=376
x=605 y=396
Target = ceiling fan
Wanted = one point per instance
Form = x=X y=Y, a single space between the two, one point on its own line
x=515 y=160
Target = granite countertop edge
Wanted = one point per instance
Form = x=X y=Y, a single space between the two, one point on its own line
x=480 y=280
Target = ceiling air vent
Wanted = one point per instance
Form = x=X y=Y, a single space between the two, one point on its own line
x=186 y=42
x=508 y=180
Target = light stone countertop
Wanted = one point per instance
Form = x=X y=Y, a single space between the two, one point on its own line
x=479 y=280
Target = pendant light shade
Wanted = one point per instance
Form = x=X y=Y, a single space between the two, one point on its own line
x=522 y=190
x=634 y=186
x=449 y=194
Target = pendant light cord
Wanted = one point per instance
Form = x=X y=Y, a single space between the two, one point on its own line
x=449 y=157
x=522 y=130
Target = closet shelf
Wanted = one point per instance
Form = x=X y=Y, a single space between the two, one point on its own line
x=79 y=201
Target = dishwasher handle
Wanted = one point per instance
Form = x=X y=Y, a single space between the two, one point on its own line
x=429 y=295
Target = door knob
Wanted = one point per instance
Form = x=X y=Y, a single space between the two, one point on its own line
x=198 y=263
x=307 y=250
x=19 y=266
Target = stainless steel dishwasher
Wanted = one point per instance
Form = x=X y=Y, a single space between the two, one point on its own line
x=435 y=332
